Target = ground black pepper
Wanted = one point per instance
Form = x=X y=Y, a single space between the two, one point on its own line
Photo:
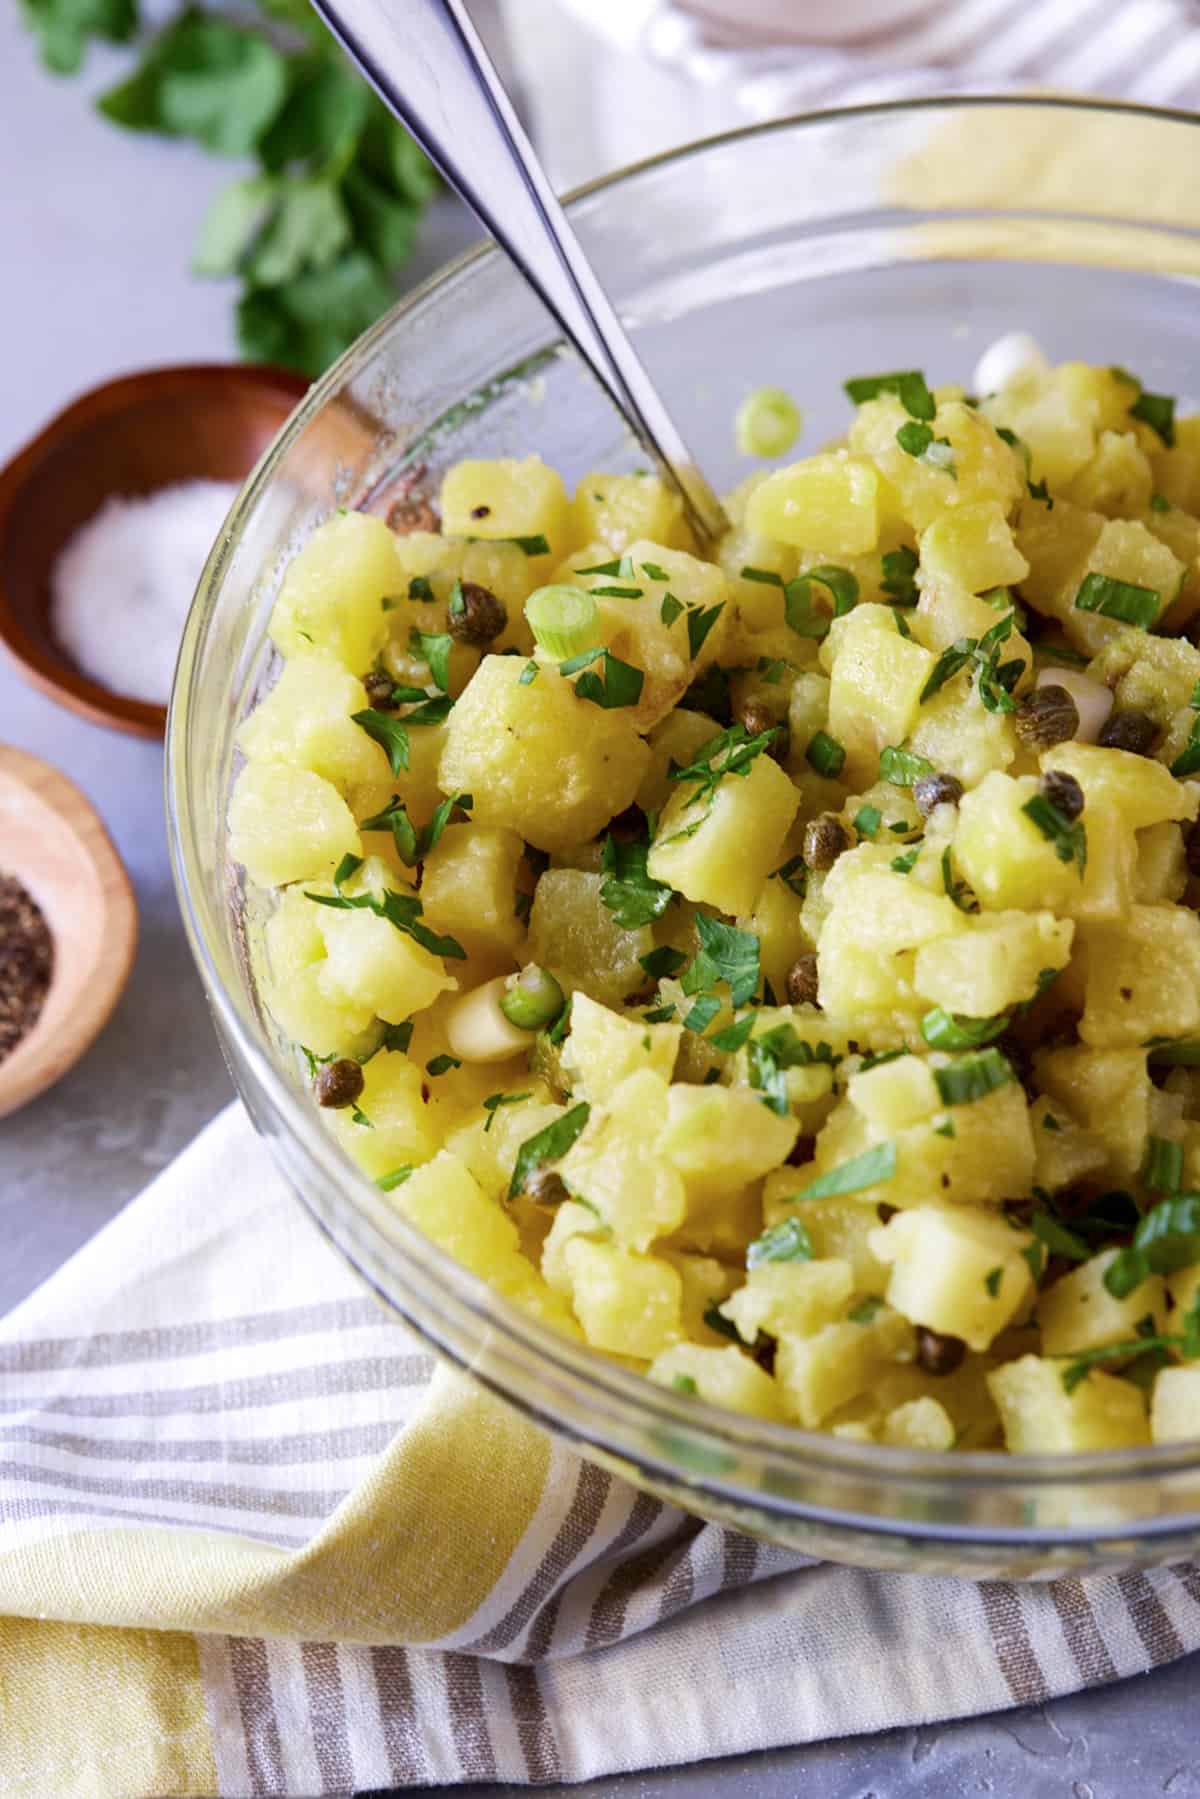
x=26 y=962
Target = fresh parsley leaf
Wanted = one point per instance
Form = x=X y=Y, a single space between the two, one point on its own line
x=389 y=733
x=547 y=1145
x=904 y=865
x=909 y=387
x=726 y=955
x=442 y=1064
x=433 y=647
x=732 y=1038
x=629 y=892
x=867 y=820
x=670 y=609
x=991 y=1281
x=661 y=964
x=700 y=622
x=701 y=1015
x=787 y=1241
x=1058 y=1239
x=1069 y=838
x=794 y=876
x=1166 y=1238
x=419 y=588
x=869 y=1169
x=1157 y=411
x=401 y=910
x=903 y=768
x=951 y=662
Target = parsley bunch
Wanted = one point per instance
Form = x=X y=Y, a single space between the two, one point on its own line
x=317 y=232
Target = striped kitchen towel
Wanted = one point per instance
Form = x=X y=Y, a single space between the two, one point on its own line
x=253 y=1542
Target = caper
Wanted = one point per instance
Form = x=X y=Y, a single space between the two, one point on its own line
x=411 y=515
x=938 y=1354
x=1131 y=731
x=755 y=717
x=1064 y=793
x=339 y=1083
x=381 y=690
x=802 y=982
x=475 y=615
x=545 y=1188
x=1046 y=716
x=932 y=791
x=824 y=841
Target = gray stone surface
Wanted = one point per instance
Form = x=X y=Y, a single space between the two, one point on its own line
x=94 y=283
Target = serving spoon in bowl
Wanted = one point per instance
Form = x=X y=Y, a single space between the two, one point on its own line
x=428 y=65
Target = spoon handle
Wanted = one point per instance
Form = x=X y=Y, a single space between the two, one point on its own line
x=426 y=61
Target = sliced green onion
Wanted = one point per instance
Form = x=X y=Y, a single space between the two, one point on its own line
x=973 y=1077
x=825 y=754
x=1118 y=599
x=1166 y=1239
x=945 y=1030
x=562 y=619
x=533 y=999
x=768 y=422
x=1162 y=1165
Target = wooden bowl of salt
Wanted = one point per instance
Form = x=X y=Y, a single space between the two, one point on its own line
x=80 y=500
x=68 y=926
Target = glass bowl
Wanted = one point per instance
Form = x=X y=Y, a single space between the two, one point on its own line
x=796 y=253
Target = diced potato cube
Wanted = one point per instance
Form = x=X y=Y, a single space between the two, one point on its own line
x=574 y=935
x=638 y=1199
x=333 y=591
x=1056 y=541
x=400 y=1130
x=603 y=1048
x=720 y=1139
x=960 y=737
x=1162 y=870
x=536 y=759
x=720 y=1376
x=800 y=1297
x=444 y=1201
x=1141 y=790
x=1078 y=1312
x=633 y=625
x=994 y=964
x=1117 y=480
x=1065 y=1153
x=287 y=824
x=370 y=963
x=875 y=686
x=1127 y=551
x=719 y=850
x=306 y=721
x=706 y=1282
x=1058 y=417
x=972 y=547
x=1003 y=855
x=919 y=1424
x=960 y=1272
x=894 y=1094
x=840 y=1228
x=1143 y=977
x=1041 y=1417
x=675 y=739
x=505 y=498
x=1108 y=1091
x=618 y=509
x=775 y=919
x=985 y=468
x=817 y=1374
x=829 y=502
x=875 y=915
x=628 y=1304
x=469 y=887
x=1175 y=1406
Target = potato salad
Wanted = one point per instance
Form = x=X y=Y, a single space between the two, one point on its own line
x=776 y=965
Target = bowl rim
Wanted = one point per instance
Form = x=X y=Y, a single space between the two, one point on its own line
x=50 y=671
x=605 y=1387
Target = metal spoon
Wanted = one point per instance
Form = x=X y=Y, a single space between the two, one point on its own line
x=426 y=61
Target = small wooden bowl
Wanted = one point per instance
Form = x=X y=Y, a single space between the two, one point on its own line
x=130 y=436
x=55 y=845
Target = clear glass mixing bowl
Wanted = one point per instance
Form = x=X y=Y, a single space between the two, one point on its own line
x=894 y=237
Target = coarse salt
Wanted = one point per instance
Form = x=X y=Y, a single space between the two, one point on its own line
x=122 y=587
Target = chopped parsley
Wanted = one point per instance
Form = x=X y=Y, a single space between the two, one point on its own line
x=787 y=1241
x=899 y=568
x=1068 y=837
x=1157 y=411
x=908 y=385
x=628 y=891
x=413 y=845
x=419 y=588
x=903 y=768
x=991 y=1281
x=621 y=685
x=726 y=955
x=402 y=910
x=867 y=1170
x=433 y=647
x=700 y=621
x=867 y=820
x=547 y=1145
x=442 y=1064
x=395 y=1177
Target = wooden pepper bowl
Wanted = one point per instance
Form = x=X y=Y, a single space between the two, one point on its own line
x=52 y=841
x=131 y=436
